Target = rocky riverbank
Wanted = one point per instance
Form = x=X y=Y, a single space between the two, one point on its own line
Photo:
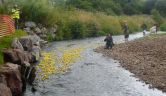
x=20 y=60
x=144 y=57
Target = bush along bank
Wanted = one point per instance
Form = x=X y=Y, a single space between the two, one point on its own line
x=19 y=65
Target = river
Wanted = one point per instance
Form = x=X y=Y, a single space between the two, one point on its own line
x=92 y=74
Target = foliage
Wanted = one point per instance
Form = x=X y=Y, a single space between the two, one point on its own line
x=163 y=27
x=156 y=16
x=5 y=42
x=4 y=9
x=100 y=18
x=77 y=29
x=161 y=6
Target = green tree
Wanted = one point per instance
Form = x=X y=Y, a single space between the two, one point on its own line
x=156 y=16
x=161 y=7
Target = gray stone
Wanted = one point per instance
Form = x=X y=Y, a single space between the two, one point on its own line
x=30 y=24
x=16 y=56
x=26 y=43
x=35 y=39
x=28 y=30
x=44 y=30
x=37 y=30
x=16 y=44
x=36 y=51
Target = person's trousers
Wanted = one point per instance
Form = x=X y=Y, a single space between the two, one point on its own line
x=16 y=23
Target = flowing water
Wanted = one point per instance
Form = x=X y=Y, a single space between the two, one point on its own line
x=92 y=74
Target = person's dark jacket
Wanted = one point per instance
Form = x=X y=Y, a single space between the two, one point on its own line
x=109 y=41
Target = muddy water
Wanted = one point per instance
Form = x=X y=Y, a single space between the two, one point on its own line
x=92 y=74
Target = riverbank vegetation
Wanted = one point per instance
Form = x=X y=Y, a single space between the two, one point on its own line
x=79 y=19
x=5 y=42
x=85 y=18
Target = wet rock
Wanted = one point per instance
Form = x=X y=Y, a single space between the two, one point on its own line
x=31 y=75
x=30 y=24
x=13 y=78
x=33 y=89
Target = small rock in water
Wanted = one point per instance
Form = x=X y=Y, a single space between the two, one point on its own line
x=33 y=89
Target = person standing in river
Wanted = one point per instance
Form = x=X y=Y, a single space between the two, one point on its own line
x=144 y=28
x=109 y=41
x=126 y=31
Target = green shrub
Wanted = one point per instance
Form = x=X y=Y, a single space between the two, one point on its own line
x=101 y=33
x=92 y=29
x=156 y=16
x=77 y=29
x=4 y=9
x=163 y=27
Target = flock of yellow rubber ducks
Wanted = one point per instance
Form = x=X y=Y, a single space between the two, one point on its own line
x=50 y=60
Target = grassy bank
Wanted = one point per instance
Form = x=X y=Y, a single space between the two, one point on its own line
x=74 y=23
x=79 y=24
x=5 y=42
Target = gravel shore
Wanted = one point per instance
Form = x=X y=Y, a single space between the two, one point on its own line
x=145 y=57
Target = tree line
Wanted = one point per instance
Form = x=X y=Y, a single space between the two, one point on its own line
x=120 y=7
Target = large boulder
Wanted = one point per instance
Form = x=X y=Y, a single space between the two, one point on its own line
x=13 y=78
x=16 y=56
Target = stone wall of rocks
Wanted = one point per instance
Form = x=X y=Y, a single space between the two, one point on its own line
x=40 y=30
x=19 y=68
x=20 y=60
